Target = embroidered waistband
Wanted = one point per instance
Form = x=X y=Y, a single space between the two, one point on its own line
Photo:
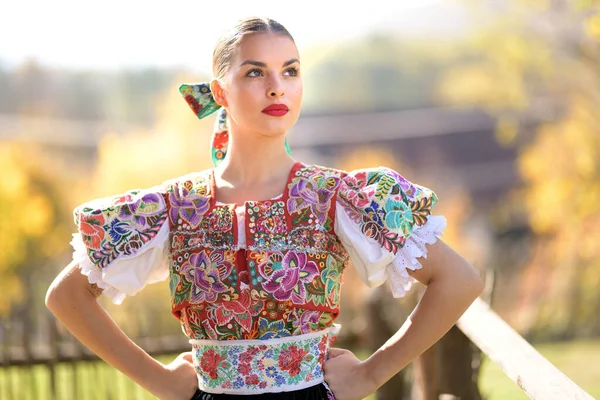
x=261 y=366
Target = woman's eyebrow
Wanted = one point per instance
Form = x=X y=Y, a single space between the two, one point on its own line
x=263 y=65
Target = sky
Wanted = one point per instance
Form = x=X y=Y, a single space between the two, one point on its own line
x=113 y=34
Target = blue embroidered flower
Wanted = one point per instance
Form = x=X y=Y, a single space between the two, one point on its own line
x=238 y=383
x=280 y=380
x=375 y=213
x=271 y=330
x=271 y=372
x=117 y=230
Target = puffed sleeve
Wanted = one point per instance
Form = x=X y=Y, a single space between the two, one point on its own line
x=384 y=222
x=121 y=243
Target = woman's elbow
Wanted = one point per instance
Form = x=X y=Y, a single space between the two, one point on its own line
x=473 y=283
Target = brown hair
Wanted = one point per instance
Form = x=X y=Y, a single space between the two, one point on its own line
x=227 y=44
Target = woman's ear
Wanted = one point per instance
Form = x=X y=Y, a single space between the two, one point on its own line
x=218 y=92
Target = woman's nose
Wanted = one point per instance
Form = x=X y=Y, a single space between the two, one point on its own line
x=275 y=89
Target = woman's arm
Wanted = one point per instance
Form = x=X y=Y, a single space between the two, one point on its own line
x=452 y=285
x=74 y=302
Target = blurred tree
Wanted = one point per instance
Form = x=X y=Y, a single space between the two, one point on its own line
x=536 y=68
x=33 y=224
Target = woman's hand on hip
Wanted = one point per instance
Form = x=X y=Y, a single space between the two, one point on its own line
x=180 y=379
x=347 y=376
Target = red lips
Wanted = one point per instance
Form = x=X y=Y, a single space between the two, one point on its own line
x=276 y=110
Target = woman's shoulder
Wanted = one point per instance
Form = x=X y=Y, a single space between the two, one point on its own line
x=151 y=199
x=361 y=177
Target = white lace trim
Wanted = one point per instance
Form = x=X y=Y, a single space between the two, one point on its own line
x=93 y=273
x=413 y=249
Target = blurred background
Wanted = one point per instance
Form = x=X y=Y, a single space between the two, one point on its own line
x=494 y=104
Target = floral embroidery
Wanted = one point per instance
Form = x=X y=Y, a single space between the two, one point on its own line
x=271 y=330
x=357 y=193
x=308 y=321
x=290 y=359
x=286 y=268
x=385 y=205
x=313 y=192
x=218 y=225
x=188 y=202
x=205 y=275
x=242 y=309
x=283 y=289
x=267 y=225
x=288 y=279
x=91 y=231
x=122 y=228
x=210 y=362
x=277 y=364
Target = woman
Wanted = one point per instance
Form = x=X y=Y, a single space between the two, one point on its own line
x=255 y=282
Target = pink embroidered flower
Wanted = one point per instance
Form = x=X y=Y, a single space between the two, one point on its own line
x=190 y=207
x=291 y=358
x=91 y=230
x=308 y=321
x=252 y=380
x=122 y=199
x=244 y=368
x=262 y=385
x=246 y=357
x=210 y=363
x=314 y=192
x=288 y=282
x=146 y=206
x=409 y=189
x=242 y=310
x=205 y=278
x=355 y=189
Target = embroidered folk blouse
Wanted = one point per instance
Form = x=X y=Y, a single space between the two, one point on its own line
x=264 y=269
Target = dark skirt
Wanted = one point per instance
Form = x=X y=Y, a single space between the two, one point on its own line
x=317 y=392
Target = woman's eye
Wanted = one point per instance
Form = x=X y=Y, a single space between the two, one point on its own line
x=291 y=72
x=254 y=73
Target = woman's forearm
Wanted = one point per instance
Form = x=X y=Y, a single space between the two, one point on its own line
x=73 y=303
x=444 y=301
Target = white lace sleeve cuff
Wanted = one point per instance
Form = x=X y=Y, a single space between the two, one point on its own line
x=375 y=264
x=126 y=276
x=408 y=256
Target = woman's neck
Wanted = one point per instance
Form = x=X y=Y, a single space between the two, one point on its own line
x=254 y=161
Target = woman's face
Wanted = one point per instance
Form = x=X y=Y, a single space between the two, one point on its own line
x=265 y=71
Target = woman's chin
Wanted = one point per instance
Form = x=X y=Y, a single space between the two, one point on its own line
x=275 y=128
